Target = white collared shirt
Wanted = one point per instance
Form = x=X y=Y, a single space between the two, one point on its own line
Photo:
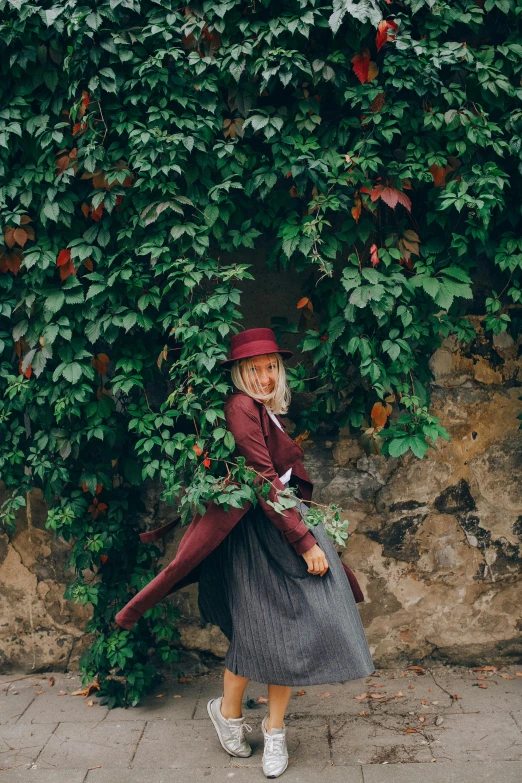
x=286 y=476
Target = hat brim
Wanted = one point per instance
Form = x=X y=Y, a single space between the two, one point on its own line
x=229 y=362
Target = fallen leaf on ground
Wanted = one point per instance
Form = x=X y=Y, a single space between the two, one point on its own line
x=160 y=695
x=51 y=681
x=63 y=693
x=91 y=703
x=424 y=701
x=15 y=693
x=411 y=731
x=518 y=674
x=411 y=687
x=485 y=668
x=362 y=714
x=98 y=767
x=482 y=685
x=325 y=695
x=399 y=695
x=506 y=677
x=430 y=690
x=184 y=679
x=378 y=684
x=300 y=693
x=361 y=697
x=456 y=696
x=93 y=686
x=422 y=718
x=376 y=696
x=38 y=693
x=177 y=696
x=262 y=700
x=417 y=669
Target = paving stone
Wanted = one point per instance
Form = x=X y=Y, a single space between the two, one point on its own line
x=43 y=776
x=179 y=744
x=152 y=708
x=517 y=717
x=325 y=774
x=50 y=707
x=501 y=695
x=13 y=705
x=84 y=745
x=358 y=740
x=441 y=772
x=21 y=744
x=494 y=737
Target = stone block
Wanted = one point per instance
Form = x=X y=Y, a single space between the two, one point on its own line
x=22 y=744
x=84 y=745
x=360 y=740
x=477 y=737
x=181 y=744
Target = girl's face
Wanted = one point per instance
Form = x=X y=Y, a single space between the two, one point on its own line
x=264 y=369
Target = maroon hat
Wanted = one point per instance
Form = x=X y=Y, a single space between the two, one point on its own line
x=253 y=342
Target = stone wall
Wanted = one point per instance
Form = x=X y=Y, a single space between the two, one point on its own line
x=39 y=629
x=435 y=543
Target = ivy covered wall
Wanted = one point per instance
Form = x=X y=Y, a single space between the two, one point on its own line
x=374 y=148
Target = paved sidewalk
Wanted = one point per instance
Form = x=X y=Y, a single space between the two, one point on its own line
x=438 y=725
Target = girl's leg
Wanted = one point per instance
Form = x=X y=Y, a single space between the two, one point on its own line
x=278 y=698
x=233 y=688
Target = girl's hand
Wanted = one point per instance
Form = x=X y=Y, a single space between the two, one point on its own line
x=316 y=560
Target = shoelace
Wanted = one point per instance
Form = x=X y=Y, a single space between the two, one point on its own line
x=240 y=731
x=270 y=747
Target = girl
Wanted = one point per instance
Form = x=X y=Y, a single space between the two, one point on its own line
x=279 y=592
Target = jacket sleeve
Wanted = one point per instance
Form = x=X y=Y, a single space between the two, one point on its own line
x=245 y=426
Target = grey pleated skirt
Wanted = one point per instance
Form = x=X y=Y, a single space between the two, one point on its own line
x=285 y=626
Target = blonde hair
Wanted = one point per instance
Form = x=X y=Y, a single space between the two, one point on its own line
x=279 y=400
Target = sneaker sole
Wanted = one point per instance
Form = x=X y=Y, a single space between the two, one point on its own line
x=230 y=753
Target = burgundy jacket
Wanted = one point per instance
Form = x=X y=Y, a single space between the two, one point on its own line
x=268 y=450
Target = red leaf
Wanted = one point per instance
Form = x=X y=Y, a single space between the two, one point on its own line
x=21 y=236
x=97 y=213
x=384 y=34
x=9 y=236
x=100 y=362
x=361 y=65
x=63 y=257
x=404 y=200
x=67 y=269
x=356 y=209
x=390 y=197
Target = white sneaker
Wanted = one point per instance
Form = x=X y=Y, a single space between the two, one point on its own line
x=275 y=755
x=230 y=731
